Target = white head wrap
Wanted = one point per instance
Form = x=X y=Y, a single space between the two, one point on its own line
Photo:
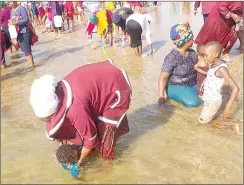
x=43 y=99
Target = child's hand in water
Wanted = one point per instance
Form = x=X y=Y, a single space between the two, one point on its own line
x=161 y=101
x=227 y=112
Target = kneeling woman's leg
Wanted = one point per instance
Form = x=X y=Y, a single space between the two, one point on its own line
x=134 y=30
x=185 y=95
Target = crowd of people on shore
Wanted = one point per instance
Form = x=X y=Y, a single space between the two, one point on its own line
x=94 y=116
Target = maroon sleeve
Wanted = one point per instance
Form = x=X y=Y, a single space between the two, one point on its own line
x=223 y=8
x=81 y=118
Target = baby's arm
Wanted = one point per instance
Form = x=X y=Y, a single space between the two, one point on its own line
x=224 y=73
x=196 y=67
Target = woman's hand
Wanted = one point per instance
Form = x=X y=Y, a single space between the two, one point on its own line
x=61 y=142
x=161 y=101
x=236 y=17
x=195 y=12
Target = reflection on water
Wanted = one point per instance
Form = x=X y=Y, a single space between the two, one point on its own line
x=164 y=145
x=186 y=7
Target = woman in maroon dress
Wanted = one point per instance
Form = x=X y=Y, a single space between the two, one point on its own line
x=220 y=26
x=88 y=107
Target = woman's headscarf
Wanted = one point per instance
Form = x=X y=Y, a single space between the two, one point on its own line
x=43 y=98
x=93 y=18
x=181 y=34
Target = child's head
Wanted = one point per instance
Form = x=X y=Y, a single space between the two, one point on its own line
x=200 y=51
x=212 y=51
x=182 y=35
x=67 y=154
x=93 y=19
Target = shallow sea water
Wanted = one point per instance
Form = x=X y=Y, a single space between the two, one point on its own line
x=164 y=145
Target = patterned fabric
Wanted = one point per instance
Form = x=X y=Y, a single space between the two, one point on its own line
x=181 y=34
x=181 y=68
x=213 y=85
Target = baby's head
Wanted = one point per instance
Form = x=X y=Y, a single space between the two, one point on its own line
x=212 y=51
x=67 y=154
x=200 y=51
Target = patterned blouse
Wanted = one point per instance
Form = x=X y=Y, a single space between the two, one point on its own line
x=181 y=68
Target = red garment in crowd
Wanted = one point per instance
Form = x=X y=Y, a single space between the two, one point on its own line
x=80 y=3
x=109 y=16
x=49 y=13
x=134 y=3
x=2 y=48
x=41 y=12
x=207 y=6
x=69 y=10
x=93 y=100
x=4 y=16
x=220 y=26
x=8 y=10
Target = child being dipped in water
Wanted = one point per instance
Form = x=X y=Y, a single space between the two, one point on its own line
x=201 y=67
x=68 y=155
x=217 y=75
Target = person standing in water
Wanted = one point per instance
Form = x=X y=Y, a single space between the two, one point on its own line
x=88 y=107
x=138 y=24
x=57 y=16
x=26 y=33
x=206 y=8
x=220 y=26
x=103 y=20
x=212 y=85
x=69 y=11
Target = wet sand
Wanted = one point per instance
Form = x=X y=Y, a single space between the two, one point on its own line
x=164 y=145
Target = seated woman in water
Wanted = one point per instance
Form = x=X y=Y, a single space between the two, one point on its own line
x=88 y=107
x=178 y=76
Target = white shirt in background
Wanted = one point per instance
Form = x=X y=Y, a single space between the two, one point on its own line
x=91 y=6
x=143 y=21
